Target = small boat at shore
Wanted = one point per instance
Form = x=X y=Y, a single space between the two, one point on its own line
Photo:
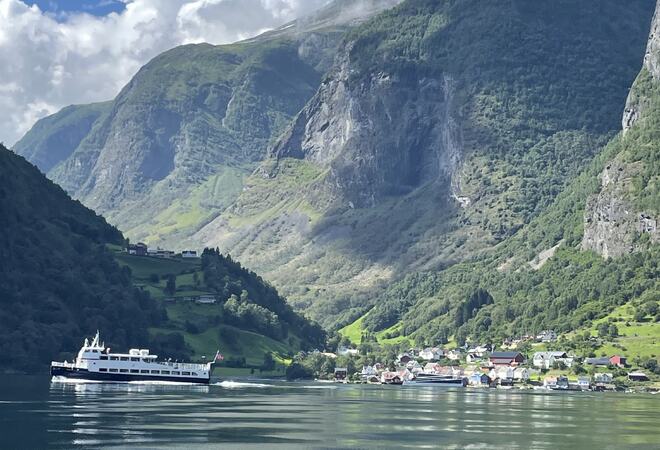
x=95 y=362
x=433 y=379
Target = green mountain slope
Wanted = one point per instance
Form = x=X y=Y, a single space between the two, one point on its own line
x=590 y=258
x=441 y=130
x=173 y=148
x=55 y=137
x=58 y=282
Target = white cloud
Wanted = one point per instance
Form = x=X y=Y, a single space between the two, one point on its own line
x=47 y=63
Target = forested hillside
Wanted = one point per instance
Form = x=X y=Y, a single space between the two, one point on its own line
x=61 y=279
x=170 y=152
x=592 y=254
x=440 y=131
x=58 y=281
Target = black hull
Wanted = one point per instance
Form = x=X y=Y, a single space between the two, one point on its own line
x=83 y=374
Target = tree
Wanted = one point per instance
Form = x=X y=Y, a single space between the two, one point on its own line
x=639 y=315
x=269 y=362
x=170 y=285
x=613 y=331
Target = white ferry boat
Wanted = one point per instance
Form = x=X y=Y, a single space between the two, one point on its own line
x=433 y=379
x=95 y=362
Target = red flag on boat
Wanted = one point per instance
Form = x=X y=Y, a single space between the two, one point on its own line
x=218 y=356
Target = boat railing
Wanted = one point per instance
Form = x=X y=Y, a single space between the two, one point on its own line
x=185 y=366
x=66 y=365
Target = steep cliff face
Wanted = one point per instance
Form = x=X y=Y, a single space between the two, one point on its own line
x=421 y=148
x=622 y=217
x=172 y=150
x=381 y=136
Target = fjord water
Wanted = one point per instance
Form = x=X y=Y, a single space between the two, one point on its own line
x=36 y=413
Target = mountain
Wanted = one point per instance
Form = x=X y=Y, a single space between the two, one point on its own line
x=63 y=276
x=441 y=129
x=364 y=165
x=590 y=258
x=58 y=280
x=172 y=149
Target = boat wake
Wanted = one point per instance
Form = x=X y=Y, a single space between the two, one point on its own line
x=241 y=384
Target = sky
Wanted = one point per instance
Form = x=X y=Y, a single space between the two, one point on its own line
x=58 y=53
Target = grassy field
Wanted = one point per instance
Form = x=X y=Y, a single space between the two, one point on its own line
x=635 y=338
x=353 y=332
x=201 y=325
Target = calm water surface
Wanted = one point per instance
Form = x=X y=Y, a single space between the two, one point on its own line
x=35 y=413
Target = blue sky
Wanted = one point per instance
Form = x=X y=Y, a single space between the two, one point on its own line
x=95 y=7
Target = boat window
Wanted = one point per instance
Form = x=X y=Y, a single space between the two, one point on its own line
x=124 y=358
x=176 y=373
x=123 y=370
x=155 y=371
x=194 y=374
x=185 y=373
x=113 y=358
x=104 y=358
x=95 y=351
x=165 y=372
x=113 y=370
x=135 y=371
x=135 y=359
x=103 y=370
x=144 y=371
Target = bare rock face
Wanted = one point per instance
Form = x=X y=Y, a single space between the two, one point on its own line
x=378 y=136
x=613 y=225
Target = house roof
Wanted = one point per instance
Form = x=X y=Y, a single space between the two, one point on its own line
x=549 y=354
x=504 y=354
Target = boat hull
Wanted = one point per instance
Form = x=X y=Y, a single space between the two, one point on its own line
x=84 y=374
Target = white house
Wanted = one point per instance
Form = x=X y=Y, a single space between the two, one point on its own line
x=454 y=355
x=546 y=336
x=521 y=374
x=431 y=354
x=603 y=378
x=547 y=360
x=189 y=254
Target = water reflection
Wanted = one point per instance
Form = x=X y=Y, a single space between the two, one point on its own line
x=321 y=415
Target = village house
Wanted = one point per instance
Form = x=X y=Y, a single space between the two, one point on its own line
x=413 y=366
x=547 y=360
x=454 y=355
x=605 y=378
x=479 y=379
x=139 y=249
x=391 y=378
x=506 y=358
x=404 y=358
x=584 y=383
x=638 y=376
x=502 y=373
x=521 y=374
x=189 y=254
x=341 y=373
x=546 y=336
x=369 y=374
x=604 y=361
x=618 y=361
x=431 y=354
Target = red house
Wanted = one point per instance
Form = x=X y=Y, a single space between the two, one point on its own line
x=506 y=358
x=618 y=360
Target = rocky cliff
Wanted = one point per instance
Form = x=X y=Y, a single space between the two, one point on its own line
x=172 y=149
x=419 y=149
x=617 y=220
